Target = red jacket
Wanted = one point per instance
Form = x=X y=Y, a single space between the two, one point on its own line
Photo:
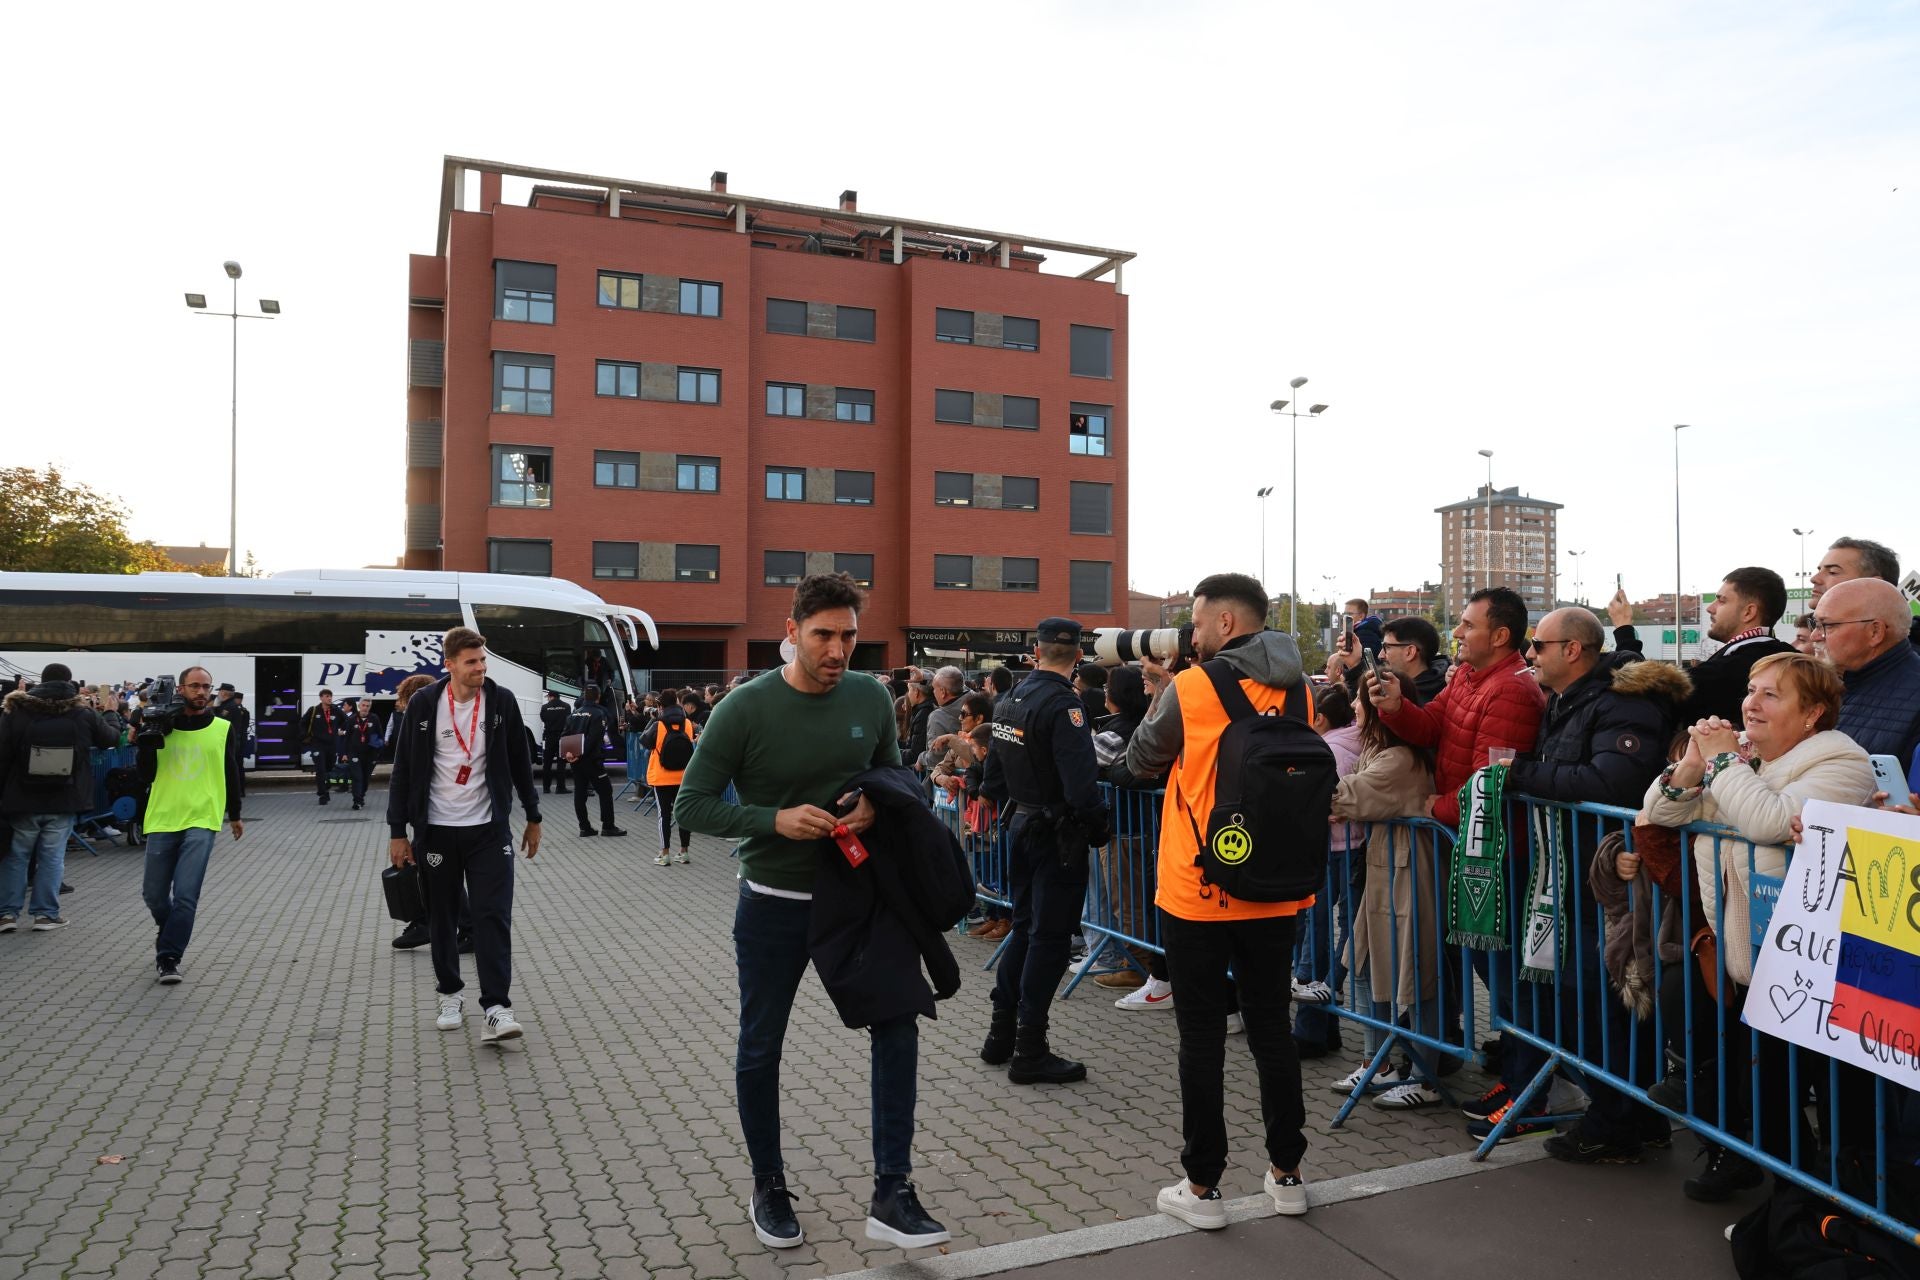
x=1498 y=707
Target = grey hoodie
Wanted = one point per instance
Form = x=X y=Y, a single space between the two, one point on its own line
x=1270 y=657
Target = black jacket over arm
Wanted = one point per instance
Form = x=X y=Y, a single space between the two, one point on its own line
x=873 y=926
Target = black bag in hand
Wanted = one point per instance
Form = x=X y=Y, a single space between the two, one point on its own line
x=402 y=887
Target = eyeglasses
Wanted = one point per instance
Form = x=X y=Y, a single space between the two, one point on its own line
x=1538 y=644
x=196 y=686
x=1820 y=624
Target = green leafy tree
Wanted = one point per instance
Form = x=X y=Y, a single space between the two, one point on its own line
x=48 y=525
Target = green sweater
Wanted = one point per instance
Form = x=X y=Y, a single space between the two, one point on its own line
x=781 y=748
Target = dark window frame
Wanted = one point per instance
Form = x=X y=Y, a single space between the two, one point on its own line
x=941 y=315
x=785 y=325
x=495 y=480
x=1079 y=606
x=701 y=286
x=700 y=464
x=615 y=458
x=619 y=368
x=840 y=565
x=939 y=585
x=494 y=546
x=770 y=578
x=1007 y=481
x=1076 y=352
x=613 y=571
x=1007 y=340
x=938 y=411
x=622 y=278
x=683 y=573
x=1006 y=417
x=785 y=474
x=853 y=501
x=699 y=374
x=532 y=297
x=840 y=317
x=1079 y=430
x=1074 y=507
x=503 y=361
x=938 y=501
x=789 y=391
x=849 y=410
x=1025 y=584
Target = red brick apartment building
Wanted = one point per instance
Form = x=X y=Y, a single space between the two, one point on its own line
x=687 y=399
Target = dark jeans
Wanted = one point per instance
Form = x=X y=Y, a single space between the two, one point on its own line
x=361 y=770
x=770 y=951
x=590 y=774
x=552 y=767
x=466 y=908
x=322 y=767
x=1047 y=898
x=175 y=870
x=1260 y=953
x=480 y=859
x=663 y=798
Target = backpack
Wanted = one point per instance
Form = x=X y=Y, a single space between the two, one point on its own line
x=51 y=746
x=676 y=747
x=1266 y=838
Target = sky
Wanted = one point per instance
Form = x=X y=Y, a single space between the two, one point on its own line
x=1553 y=231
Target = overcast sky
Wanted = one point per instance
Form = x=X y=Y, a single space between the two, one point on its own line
x=1548 y=230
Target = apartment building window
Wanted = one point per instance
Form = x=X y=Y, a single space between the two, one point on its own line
x=786 y=484
x=1019 y=333
x=696 y=475
x=522 y=477
x=784 y=315
x=953 y=488
x=786 y=400
x=1020 y=493
x=520 y=555
x=618 y=289
x=854 y=488
x=522 y=383
x=851 y=404
x=953 y=406
x=785 y=568
x=953 y=573
x=1090 y=586
x=523 y=291
x=1019 y=573
x=1087 y=429
x=1091 y=351
x=616 y=560
x=858 y=566
x=1089 y=507
x=699 y=298
x=952 y=326
x=614 y=378
x=694 y=562
x=1020 y=411
x=699 y=386
x=616 y=470
x=855 y=324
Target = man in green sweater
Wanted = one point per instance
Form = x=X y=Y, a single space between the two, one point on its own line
x=788 y=741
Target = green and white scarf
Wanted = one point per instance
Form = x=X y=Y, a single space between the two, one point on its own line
x=1476 y=898
x=1546 y=897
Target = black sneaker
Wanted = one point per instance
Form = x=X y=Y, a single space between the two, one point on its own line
x=1655 y=1130
x=414 y=935
x=358 y=805
x=167 y=972
x=1725 y=1174
x=1487 y=1103
x=771 y=1210
x=465 y=943
x=1580 y=1145
x=588 y=833
x=897 y=1218
x=612 y=831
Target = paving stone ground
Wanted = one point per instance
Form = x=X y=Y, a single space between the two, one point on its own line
x=290 y=1110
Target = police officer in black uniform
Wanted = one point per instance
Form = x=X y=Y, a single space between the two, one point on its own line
x=1043 y=749
x=553 y=724
x=231 y=709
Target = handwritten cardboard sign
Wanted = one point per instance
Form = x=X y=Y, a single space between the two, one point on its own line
x=1839 y=965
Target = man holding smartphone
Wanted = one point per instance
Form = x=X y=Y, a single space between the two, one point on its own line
x=788 y=741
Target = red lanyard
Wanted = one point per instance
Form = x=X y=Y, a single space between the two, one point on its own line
x=473 y=722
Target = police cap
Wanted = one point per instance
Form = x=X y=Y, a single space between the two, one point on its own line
x=1058 y=631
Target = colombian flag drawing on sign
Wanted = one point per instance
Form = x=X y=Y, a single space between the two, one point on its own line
x=1877 y=980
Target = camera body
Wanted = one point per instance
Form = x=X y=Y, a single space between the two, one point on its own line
x=163 y=703
x=1169 y=646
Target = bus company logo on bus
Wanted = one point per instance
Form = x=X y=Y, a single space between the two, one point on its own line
x=392 y=656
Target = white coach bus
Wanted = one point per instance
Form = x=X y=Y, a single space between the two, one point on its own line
x=281 y=639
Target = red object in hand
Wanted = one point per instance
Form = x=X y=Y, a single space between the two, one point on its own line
x=856 y=853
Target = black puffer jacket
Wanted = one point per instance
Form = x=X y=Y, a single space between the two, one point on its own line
x=1605 y=738
x=872 y=927
x=55 y=699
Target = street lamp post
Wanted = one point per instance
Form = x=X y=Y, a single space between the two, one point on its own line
x=1293 y=586
x=1804 y=535
x=1263 y=494
x=1486 y=566
x=1679 y=634
x=269 y=308
x=1579 y=596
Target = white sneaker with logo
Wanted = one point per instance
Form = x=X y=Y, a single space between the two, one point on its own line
x=453 y=1010
x=1386 y=1078
x=1154 y=994
x=501 y=1025
x=1289 y=1193
x=1208 y=1212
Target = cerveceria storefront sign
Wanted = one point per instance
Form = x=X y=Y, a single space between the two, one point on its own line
x=972 y=640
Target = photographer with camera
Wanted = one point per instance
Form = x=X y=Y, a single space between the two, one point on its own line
x=190 y=760
x=46 y=780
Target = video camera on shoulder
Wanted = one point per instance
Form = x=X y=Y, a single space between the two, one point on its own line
x=163 y=703
x=1171 y=647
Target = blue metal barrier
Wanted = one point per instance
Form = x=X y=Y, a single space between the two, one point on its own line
x=122 y=810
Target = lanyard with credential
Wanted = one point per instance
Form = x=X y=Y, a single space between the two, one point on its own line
x=473 y=727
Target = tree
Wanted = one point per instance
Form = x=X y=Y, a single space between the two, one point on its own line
x=50 y=526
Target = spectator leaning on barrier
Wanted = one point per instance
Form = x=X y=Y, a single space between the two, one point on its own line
x=191 y=763
x=1205 y=934
x=1090 y=683
x=949 y=683
x=1132 y=860
x=1320 y=952
x=1863 y=622
x=46 y=781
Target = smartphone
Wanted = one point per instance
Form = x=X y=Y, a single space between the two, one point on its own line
x=1889 y=777
x=847 y=803
x=1373 y=667
x=1346 y=631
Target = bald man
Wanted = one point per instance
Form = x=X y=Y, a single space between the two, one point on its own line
x=1866 y=623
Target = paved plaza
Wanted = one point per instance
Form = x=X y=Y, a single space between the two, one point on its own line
x=291 y=1110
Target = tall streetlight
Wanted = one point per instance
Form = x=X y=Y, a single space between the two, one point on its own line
x=1293 y=587
x=1263 y=494
x=269 y=309
x=1579 y=596
x=1486 y=567
x=1679 y=633
x=1804 y=535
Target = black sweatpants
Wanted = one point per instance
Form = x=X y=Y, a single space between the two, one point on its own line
x=552 y=767
x=322 y=768
x=664 y=797
x=590 y=774
x=481 y=859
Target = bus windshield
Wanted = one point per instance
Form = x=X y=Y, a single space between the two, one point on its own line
x=567 y=651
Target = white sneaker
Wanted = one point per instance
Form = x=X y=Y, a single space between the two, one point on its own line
x=1408 y=1097
x=500 y=1025
x=1386 y=1078
x=453 y=1009
x=1155 y=994
x=1236 y=1025
x=1081 y=965
x=680 y=857
x=663 y=859
x=1289 y=1193
x=1208 y=1212
x=1311 y=992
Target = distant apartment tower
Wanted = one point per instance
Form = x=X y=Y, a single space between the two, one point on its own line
x=1510 y=541
x=1397 y=602
x=688 y=399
